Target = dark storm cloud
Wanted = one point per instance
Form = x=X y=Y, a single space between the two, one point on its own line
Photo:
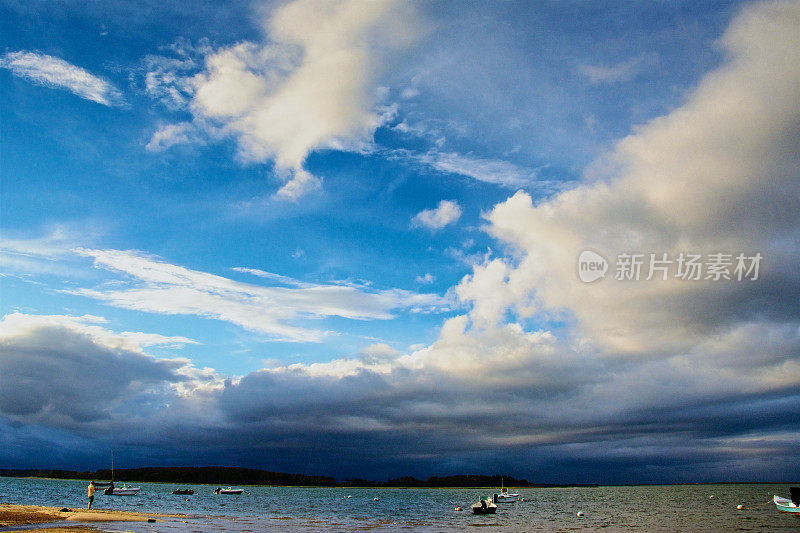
x=59 y=376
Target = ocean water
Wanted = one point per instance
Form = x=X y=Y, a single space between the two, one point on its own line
x=633 y=508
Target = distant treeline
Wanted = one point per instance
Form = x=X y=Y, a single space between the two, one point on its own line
x=219 y=475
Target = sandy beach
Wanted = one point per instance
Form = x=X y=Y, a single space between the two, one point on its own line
x=22 y=515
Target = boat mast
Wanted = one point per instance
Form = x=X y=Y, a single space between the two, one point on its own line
x=112 y=466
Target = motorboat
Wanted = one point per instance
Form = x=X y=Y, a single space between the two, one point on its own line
x=786 y=505
x=484 y=507
x=183 y=492
x=229 y=490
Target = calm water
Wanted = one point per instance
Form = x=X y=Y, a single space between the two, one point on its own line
x=660 y=508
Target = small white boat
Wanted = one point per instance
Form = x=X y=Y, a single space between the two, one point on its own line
x=229 y=490
x=114 y=491
x=124 y=490
x=785 y=505
x=505 y=496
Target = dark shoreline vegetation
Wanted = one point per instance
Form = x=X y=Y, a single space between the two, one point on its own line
x=217 y=475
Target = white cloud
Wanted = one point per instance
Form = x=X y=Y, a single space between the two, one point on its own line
x=164 y=288
x=717 y=174
x=312 y=86
x=447 y=212
x=427 y=278
x=20 y=324
x=623 y=71
x=50 y=71
x=169 y=135
x=493 y=171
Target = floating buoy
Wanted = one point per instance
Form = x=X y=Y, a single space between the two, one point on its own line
x=457 y=509
x=523 y=500
x=711 y=497
x=740 y=506
x=375 y=499
x=579 y=513
x=349 y=496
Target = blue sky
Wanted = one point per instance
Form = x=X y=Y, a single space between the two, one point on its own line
x=374 y=210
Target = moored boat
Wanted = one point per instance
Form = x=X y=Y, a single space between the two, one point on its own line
x=505 y=496
x=786 y=505
x=184 y=492
x=229 y=490
x=484 y=507
x=124 y=490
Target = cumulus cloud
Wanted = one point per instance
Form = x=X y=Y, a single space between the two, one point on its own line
x=49 y=71
x=718 y=174
x=311 y=86
x=447 y=212
x=160 y=287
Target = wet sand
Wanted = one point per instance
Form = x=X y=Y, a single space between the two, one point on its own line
x=12 y=515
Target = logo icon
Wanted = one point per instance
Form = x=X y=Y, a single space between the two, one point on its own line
x=591 y=266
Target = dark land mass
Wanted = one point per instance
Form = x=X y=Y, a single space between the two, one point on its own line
x=218 y=475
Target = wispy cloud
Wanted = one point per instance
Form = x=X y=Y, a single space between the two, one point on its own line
x=482 y=169
x=50 y=71
x=447 y=212
x=620 y=72
x=160 y=287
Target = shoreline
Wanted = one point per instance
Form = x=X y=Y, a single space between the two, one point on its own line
x=18 y=515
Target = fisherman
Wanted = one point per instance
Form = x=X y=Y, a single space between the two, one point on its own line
x=90 y=490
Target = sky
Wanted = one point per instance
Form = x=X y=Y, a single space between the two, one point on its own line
x=555 y=240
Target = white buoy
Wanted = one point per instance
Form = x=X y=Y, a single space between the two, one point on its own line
x=349 y=496
x=457 y=509
x=375 y=499
x=740 y=506
x=711 y=497
x=579 y=514
x=523 y=500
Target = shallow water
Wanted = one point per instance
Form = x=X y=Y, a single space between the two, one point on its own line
x=638 y=508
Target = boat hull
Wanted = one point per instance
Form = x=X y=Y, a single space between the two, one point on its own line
x=229 y=491
x=785 y=506
x=122 y=492
x=489 y=508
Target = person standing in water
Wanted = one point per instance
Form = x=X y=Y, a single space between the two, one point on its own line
x=90 y=490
